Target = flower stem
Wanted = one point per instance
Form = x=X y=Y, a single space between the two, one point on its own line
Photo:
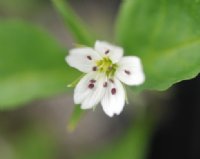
x=78 y=29
x=75 y=118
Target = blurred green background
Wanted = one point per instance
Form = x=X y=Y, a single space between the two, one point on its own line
x=36 y=105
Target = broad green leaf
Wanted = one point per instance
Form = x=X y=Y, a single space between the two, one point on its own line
x=75 y=25
x=166 y=35
x=32 y=64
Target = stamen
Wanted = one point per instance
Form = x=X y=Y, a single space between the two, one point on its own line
x=111 y=80
x=127 y=72
x=107 y=51
x=105 y=84
x=113 y=91
x=106 y=66
x=92 y=81
x=94 y=68
x=89 y=57
x=91 y=85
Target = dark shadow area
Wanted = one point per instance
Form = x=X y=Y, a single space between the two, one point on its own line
x=178 y=137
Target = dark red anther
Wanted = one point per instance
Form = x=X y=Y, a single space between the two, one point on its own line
x=107 y=51
x=111 y=80
x=105 y=84
x=127 y=72
x=91 y=85
x=113 y=91
x=89 y=57
x=92 y=81
x=94 y=68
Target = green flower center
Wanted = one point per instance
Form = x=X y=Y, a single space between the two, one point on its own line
x=106 y=66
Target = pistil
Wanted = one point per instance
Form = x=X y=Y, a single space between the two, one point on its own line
x=106 y=66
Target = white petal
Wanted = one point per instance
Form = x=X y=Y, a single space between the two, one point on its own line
x=130 y=71
x=105 y=49
x=95 y=94
x=82 y=59
x=113 y=103
x=81 y=90
x=89 y=97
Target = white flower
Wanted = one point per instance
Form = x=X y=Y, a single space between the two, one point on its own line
x=105 y=69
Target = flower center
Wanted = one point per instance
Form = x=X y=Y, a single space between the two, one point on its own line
x=106 y=66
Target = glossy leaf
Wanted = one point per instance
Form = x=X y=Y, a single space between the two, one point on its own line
x=32 y=65
x=166 y=35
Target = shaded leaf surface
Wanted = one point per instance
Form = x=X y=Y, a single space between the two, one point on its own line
x=31 y=64
x=166 y=35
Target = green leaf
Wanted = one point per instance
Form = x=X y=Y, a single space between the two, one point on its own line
x=78 y=29
x=165 y=34
x=32 y=65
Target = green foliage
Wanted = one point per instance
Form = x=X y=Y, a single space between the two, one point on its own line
x=78 y=29
x=34 y=143
x=166 y=35
x=29 y=142
x=19 y=7
x=31 y=65
x=132 y=145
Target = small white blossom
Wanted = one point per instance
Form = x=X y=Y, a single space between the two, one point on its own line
x=105 y=69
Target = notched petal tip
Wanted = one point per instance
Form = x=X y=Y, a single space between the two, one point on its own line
x=84 y=107
x=109 y=114
x=141 y=79
x=68 y=59
x=108 y=111
x=112 y=114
